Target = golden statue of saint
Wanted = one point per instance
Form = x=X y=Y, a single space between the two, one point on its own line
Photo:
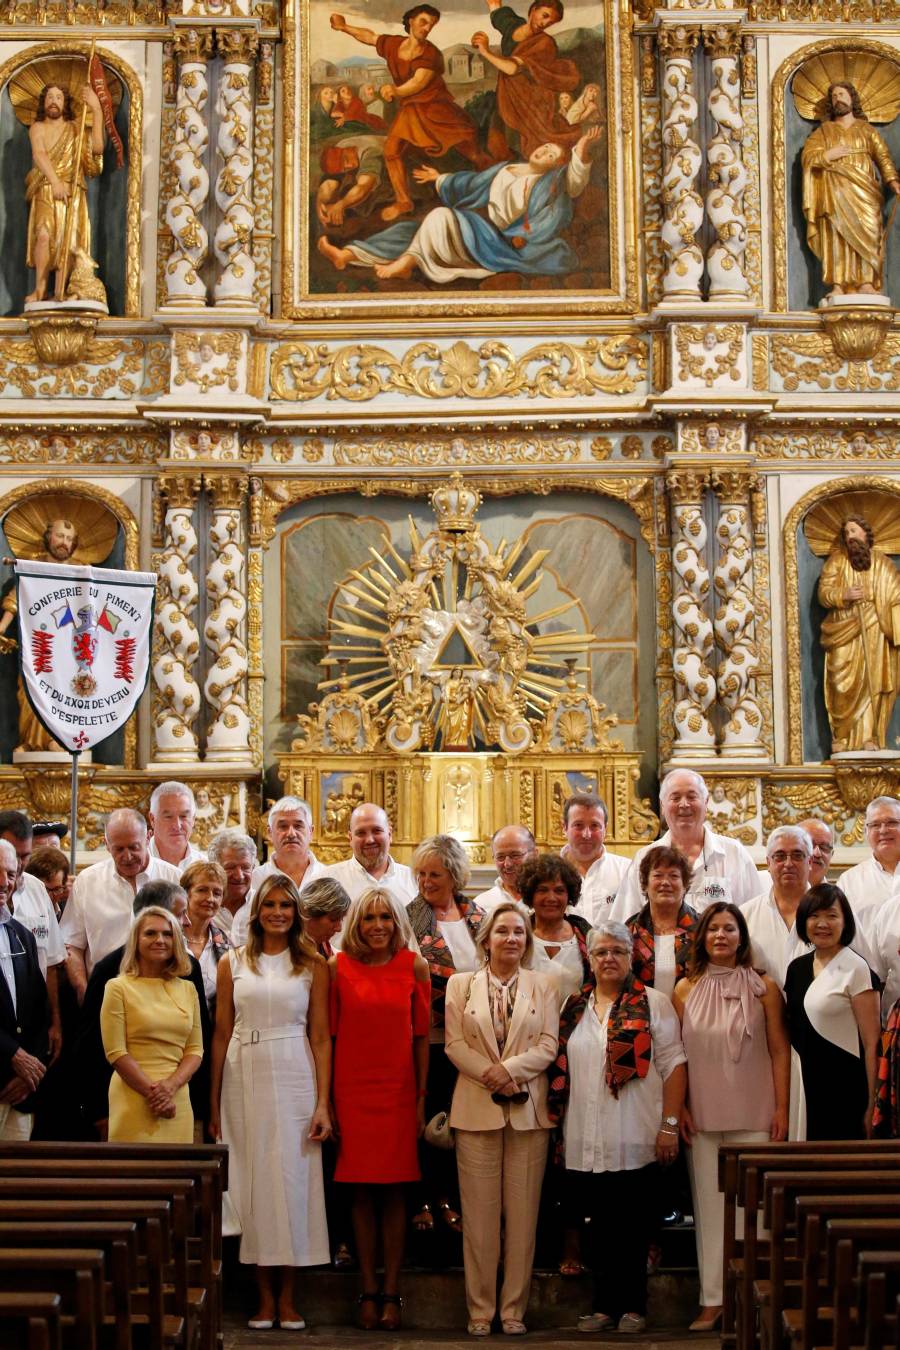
x=860 y=588
x=845 y=162
x=457 y=712
x=55 y=179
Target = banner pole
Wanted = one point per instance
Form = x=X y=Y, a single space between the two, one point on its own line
x=73 y=819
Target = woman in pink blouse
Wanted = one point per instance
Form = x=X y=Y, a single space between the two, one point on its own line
x=739 y=1063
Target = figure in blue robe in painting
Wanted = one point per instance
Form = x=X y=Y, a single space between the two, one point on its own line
x=508 y=218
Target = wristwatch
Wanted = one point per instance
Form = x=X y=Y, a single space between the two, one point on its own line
x=672 y=1121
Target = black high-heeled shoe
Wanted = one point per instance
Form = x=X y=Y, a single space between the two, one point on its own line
x=391 y=1321
x=368 y=1321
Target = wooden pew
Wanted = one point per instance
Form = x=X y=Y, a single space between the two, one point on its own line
x=781 y=1192
x=879 y=1282
x=820 y=1220
x=190 y=1190
x=740 y=1177
x=173 y=1265
x=207 y=1162
x=154 y=1224
x=119 y=1243
x=729 y=1155
x=30 y=1321
x=76 y=1274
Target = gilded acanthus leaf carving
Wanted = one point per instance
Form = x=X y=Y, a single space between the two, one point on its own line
x=301 y=371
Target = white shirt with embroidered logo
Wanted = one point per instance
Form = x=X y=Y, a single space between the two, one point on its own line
x=723 y=870
x=600 y=885
x=33 y=908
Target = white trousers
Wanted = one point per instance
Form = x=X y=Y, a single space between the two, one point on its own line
x=14 y=1125
x=500 y=1175
x=709 y=1206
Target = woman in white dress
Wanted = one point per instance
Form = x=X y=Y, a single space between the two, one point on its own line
x=271 y=1082
x=550 y=888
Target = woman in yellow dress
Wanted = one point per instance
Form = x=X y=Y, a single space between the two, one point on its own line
x=150 y=1022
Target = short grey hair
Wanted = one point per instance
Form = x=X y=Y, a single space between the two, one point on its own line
x=796 y=832
x=226 y=839
x=125 y=815
x=290 y=804
x=172 y=789
x=322 y=897
x=449 y=853
x=892 y=802
x=619 y=932
x=698 y=777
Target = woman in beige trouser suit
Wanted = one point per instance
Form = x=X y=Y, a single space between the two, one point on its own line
x=502 y=1026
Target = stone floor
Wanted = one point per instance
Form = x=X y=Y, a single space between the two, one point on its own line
x=239 y=1337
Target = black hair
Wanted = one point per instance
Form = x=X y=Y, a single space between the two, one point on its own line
x=419 y=9
x=17 y=824
x=822 y=897
x=157 y=893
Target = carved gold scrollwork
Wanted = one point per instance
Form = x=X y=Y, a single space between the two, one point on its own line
x=300 y=371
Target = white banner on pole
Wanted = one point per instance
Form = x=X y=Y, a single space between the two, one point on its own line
x=84 y=644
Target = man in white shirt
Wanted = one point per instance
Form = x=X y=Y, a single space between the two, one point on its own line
x=172 y=814
x=235 y=852
x=32 y=907
x=98 y=916
x=871 y=884
x=290 y=826
x=771 y=915
x=585 y=819
x=771 y=920
x=822 y=836
x=722 y=869
x=370 y=862
x=511 y=846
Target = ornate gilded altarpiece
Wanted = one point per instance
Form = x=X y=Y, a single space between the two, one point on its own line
x=666 y=358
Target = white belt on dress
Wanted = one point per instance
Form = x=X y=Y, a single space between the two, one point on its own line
x=270 y=1034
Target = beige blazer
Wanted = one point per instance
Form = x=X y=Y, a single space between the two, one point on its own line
x=471 y=1044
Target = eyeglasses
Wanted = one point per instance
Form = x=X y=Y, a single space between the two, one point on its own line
x=509 y=857
x=600 y=952
x=888 y=825
x=797 y=856
x=823 y=848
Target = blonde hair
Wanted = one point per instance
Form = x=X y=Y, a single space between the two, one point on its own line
x=301 y=948
x=201 y=870
x=483 y=936
x=179 y=963
x=449 y=853
x=351 y=940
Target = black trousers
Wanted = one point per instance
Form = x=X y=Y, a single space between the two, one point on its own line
x=624 y=1209
x=438 y=1165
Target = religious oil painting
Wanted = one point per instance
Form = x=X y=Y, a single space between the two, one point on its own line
x=462 y=149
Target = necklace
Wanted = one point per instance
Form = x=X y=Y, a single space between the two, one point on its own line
x=442 y=915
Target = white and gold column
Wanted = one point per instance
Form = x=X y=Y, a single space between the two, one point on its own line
x=233 y=240
x=681 y=165
x=225 y=630
x=186 y=207
x=726 y=171
x=735 y=617
x=695 y=683
x=176 y=640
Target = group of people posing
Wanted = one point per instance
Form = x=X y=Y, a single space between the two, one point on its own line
x=379 y=1050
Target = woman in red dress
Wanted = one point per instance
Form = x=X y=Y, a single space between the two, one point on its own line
x=428 y=117
x=380 y=1013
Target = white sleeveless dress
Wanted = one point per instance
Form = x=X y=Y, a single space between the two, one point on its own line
x=275 y=1198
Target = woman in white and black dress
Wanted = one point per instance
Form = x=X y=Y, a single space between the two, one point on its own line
x=271 y=1081
x=833 y=1018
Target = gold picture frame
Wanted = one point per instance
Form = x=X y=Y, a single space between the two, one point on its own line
x=302 y=296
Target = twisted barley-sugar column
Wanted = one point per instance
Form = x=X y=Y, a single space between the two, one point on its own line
x=233 y=239
x=725 y=167
x=225 y=631
x=176 y=644
x=735 y=617
x=185 y=208
x=695 y=683
x=681 y=165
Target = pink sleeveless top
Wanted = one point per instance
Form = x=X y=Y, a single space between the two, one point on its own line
x=729 y=1067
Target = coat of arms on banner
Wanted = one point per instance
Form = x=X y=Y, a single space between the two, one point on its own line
x=85 y=636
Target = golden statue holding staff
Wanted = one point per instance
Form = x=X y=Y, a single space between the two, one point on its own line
x=846 y=165
x=69 y=110
x=55 y=187
x=860 y=588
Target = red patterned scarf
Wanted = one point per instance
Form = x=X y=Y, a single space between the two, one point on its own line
x=628 y=1043
x=643 y=957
